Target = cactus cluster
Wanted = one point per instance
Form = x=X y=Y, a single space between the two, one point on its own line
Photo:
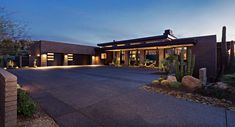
x=180 y=69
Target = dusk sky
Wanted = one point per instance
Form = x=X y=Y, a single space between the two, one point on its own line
x=95 y=21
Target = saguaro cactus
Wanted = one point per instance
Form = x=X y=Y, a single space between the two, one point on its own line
x=189 y=61
x=177 y=71
x=182 y=62
x=193 y=64
x=180 y=71
x=224 y=54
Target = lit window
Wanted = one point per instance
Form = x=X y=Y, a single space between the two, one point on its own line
x=120 y=44
x=137 y=43
x=103 y=56
x=50 y=56
x=108 y=46
x=70 y=57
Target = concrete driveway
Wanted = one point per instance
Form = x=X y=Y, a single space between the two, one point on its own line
x=112 y=97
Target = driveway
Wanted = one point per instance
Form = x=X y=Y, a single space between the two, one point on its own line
x=112 y=97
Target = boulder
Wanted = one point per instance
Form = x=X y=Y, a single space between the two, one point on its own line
x=165 y=82
x=191 y=83
x=221 y=85
x=156 y=82
x=171 y=78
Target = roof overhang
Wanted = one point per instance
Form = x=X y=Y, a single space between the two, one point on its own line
x=163 y=44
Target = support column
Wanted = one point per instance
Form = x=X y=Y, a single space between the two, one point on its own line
x=142 y=57
x=126 y=62
x=65 y=60
x=161 y=56
x=114 y=57
x=118 y=57
x=43 y=60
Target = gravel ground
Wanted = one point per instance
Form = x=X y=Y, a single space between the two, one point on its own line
x=191 y=96
x=39 y=119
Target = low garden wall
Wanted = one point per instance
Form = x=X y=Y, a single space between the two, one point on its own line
x=8 y=99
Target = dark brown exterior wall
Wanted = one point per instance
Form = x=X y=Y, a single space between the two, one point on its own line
x=57 y=47
x=82 y=54
x=83 y=59
x=205 y=51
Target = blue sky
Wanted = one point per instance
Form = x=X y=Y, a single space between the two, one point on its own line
x=95 y=21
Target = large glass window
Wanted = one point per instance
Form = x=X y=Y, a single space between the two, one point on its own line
x=151 y=56
x=178 y=51
x=103 y=56
x=133 y=57
x=169 y=52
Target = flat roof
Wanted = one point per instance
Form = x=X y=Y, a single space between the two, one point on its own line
x=135 y=40
x=182 y=41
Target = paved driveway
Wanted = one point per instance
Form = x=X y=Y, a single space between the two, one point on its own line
x=112 y=97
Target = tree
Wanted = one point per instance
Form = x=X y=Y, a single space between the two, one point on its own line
x=10 y=34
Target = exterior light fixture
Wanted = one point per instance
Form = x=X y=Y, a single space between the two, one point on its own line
x=229 y=51
x=38 y=55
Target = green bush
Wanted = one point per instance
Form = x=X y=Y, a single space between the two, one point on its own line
x=175 y=84
x=26 y=107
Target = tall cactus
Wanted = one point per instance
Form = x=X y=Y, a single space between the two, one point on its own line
x=193 y=64
x=180 y=71
x=224 y=54
x=189 y=60
x=182 y=62
x=177 y=71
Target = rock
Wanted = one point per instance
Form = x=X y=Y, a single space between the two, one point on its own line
x=221 y=85
x=191 y=83
x=156 y=82
x=171 y=78
x=151 y=65
x=165 y=82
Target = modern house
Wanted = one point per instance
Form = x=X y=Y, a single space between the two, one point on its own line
x=150 y=51
x=147 y=51
x=47 y=53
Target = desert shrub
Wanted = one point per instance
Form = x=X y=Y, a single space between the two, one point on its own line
x=26 y=107
x=160 y=79
x=175 y=84
x=229 y=79
x=165 y=82
x=215 y=92
x=156 y=82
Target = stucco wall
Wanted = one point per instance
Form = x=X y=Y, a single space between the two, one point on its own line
x=205 y=51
